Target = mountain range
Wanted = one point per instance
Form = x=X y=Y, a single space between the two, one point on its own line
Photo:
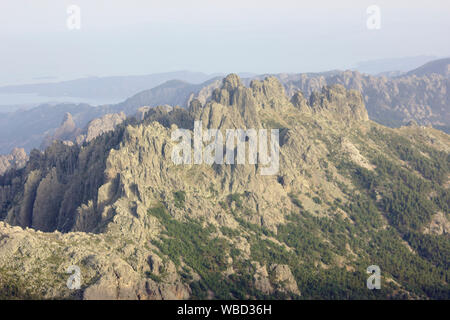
x=349 y=193
x=420 y=95
x=118 y=87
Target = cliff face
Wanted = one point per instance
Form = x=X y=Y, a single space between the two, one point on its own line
x=141 y=227
x=422 y=96
x=69 y=133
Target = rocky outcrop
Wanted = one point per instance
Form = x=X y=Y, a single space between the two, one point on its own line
x=283 y=276
x=338 y=103
x=15 y=160
x=104 y=272
x=67 y=131
x=421 y=95
x=300 y=102
x=440 y=225
x=99 y=126
x=90 y=185
x=142 y=227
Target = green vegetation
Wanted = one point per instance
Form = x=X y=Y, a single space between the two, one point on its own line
x=403 y=198
x=236 y=198
x=12 y=287
x=432 y=164
x=179 y=198
x=295 y=200
x=196 y=246
x=228 y=232
x=153 y=276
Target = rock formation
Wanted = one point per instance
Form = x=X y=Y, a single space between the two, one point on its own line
x=141 y=227
x=15 y=160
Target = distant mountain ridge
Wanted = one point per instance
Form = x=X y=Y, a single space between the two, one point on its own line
x=398 y=65
x=422 y=95
x=106 y=87
x=27 y=128
x=441 y=66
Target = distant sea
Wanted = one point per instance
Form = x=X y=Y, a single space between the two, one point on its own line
x=10 y=102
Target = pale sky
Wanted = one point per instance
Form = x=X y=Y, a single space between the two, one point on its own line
x=144 y=36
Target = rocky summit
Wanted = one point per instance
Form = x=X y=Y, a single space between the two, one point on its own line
x=16 y=159
x=349 y=194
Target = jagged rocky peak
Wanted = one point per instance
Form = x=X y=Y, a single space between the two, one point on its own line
x=332 y=102
x=101 y=125
x=65 y=132
x=16 y=159
x=232 y=92
x=67 y=125
x=269 y=87
x=68 y=119
x=70 y=134
x=299 y=101
x=195 y=105
x=231 y=82
x=232 y=105
x=268 y=93
x=339 y=103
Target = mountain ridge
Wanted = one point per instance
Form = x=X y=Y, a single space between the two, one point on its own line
x=141 y=227
x=392 y=101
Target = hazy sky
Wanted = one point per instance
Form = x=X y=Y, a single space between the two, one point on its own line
x=144 y=36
